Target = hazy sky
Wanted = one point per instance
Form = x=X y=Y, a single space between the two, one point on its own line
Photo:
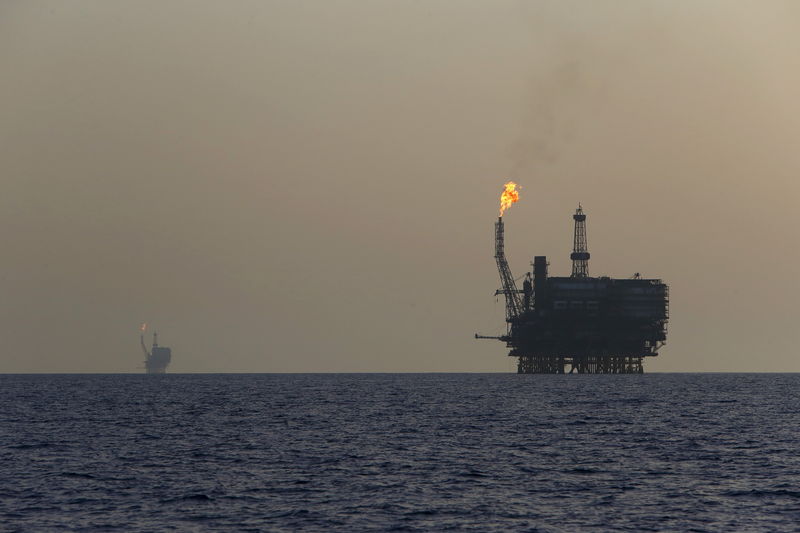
x=311 y=186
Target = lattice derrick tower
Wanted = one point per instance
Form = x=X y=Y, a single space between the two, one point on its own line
x=580 y=250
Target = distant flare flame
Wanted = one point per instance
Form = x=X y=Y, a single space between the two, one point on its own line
x=144 y=327
x=510 y=196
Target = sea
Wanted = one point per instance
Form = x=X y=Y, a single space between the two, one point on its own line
x=400 y=452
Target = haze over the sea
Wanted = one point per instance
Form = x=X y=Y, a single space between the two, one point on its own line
x=309 y=186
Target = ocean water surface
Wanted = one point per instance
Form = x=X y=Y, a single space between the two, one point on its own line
x=400 y=452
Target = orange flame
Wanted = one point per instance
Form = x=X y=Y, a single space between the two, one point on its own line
x=510 y=196
x=144 y=327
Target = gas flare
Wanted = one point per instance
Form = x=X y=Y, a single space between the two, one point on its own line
x=510 y=196
x=144 y=327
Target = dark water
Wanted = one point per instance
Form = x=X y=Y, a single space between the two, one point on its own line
x=402 y=452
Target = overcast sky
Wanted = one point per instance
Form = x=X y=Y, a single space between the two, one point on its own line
x=311 y=186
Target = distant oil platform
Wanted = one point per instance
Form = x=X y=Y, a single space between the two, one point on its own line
x=158 y=357
x=591 y=325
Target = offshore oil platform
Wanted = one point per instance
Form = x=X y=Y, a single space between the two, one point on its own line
x=591 y=325
x=158 y=357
